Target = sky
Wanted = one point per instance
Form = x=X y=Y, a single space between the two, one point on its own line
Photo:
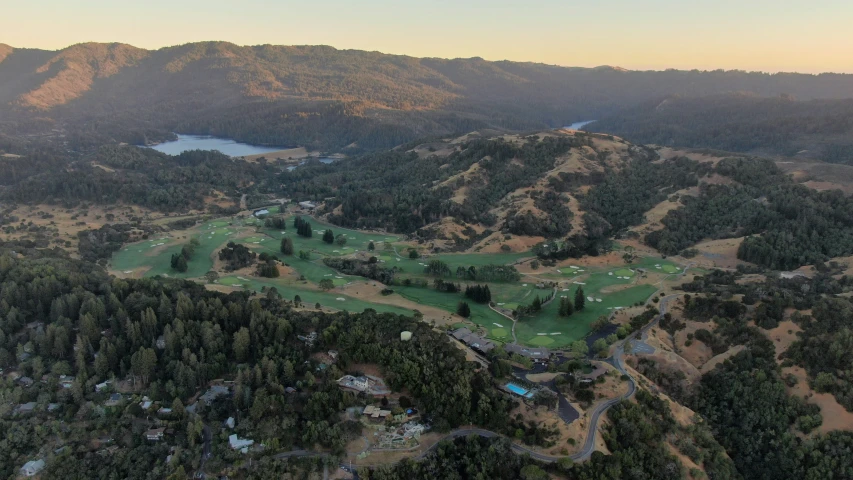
x=757 y=35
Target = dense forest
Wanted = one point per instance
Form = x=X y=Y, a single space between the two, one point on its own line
x=145 y=177
x=740 y=122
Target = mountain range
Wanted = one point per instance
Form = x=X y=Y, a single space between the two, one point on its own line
x=327 y=98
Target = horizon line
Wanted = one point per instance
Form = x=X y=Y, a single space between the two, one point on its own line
x=602 y=66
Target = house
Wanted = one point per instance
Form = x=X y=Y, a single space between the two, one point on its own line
x=160 y=343
x=102 y=386
x=214 y=392
x=261 y=212
x=164 y=411
x=537 y=354
x=146 y=403
x=32 y=468
x=114 y=400
x=230 y=423
x=66 y=381
x=52 y=407
x=155 y=434
x=460 y=333
x=289 y=390
x=307 y=205
x=238 y=443
x=333 y=354
x=368 y=410
x=361 y=384
x=25 y=381
x=25 y=408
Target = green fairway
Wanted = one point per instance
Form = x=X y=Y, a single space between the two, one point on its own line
x=310 y=297
x=624 y=272
x=576 y=326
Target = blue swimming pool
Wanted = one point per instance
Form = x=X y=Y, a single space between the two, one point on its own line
x=519 y=390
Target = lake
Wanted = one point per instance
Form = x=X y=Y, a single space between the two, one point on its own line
x=579 y=125
x=205 y=142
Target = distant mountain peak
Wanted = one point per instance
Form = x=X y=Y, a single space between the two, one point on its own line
x=5 y=50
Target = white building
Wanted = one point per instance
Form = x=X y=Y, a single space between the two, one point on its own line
x=238 y=443
x=307 y=205
x=32 y=468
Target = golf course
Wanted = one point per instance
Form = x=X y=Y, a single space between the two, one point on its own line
x=605 y=288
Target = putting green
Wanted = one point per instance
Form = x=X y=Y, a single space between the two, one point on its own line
x=230 y=281
x=499 y=332
x=541 y=340
x=624 y=272
x=217 y=224
x=670 y=268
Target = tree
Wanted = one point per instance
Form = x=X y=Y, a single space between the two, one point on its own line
x=600 y=347
x=600 y=323
x=179 y=262
x=580 y=347
x=341 y=240
x=327 y=284
x=536 y=305
x=413 y=254
x=371 y=247
x=297 y=300
x=566 y=308
x=303 y=255
x=463 y=309
x=287 y=246
x=242 y=341
x=211 y=276
x=580 y=299
x=329 y=237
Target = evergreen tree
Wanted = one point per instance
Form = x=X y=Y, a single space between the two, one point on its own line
x=371 y=247
x=463 y=309
x=287 y=246
x=580 y=300
x=329 y=237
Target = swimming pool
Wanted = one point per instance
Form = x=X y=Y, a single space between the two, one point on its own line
x=519 y=390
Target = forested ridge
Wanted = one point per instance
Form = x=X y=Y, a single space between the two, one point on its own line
x=780 y=125
x=324 y=98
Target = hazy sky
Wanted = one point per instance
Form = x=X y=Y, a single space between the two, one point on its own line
x=768 y=35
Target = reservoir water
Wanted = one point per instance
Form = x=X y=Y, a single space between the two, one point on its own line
x=204 y=142
x=579 y=125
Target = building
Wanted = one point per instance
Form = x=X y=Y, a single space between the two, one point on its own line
x=213 y=393
x=539 y=354
x=32 y=468
x=155 y=434
x=333 y=354
x=114 y=400
x=25 y=381
x=473 y=340
x=164 y=411
x=238 y=443
x=230 y=423
x=361 y=384
x=102 y=386
x=405 y=336
x=261 y=212
x=307 y=205
x=25 y=408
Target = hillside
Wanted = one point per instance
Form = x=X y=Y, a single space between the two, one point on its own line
x=326 y=98
x=781 y=125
